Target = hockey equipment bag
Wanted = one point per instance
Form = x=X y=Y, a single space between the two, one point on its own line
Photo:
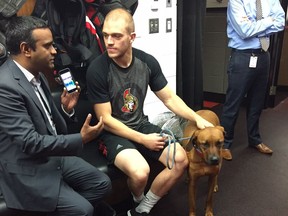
x=74 y=38
x=9 y=8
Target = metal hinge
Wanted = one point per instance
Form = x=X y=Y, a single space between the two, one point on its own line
x=272 y=90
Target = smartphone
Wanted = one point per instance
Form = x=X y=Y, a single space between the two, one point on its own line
x=68 y=80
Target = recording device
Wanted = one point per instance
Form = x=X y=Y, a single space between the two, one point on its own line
x=68 y=80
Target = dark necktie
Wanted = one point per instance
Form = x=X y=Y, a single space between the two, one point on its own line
x=264 y=41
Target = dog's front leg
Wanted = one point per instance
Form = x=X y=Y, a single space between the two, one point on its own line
x=209 y=201
x=216 y=188
x=192 y=195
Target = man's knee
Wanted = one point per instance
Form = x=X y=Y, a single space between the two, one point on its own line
x=183 y=157
x=141 y=174
x=180 y=158
x=104 y=186
x=84 y=210
x=98 y=189
x=78 y=208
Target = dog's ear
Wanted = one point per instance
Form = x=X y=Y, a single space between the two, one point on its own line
x=221 y=128
x=191 y=142
x=189 y=145
x=195 y=135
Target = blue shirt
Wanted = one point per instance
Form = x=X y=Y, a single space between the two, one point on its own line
x=243 y=29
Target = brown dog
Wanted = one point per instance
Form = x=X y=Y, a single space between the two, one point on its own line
x=204 y=154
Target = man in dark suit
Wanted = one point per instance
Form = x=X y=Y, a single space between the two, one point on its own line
x=38 y=167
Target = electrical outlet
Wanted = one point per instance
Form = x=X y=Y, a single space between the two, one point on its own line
x=153 y=25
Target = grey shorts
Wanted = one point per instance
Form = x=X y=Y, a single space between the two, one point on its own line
x=110 y=144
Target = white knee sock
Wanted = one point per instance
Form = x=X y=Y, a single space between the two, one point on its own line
x=148 y=202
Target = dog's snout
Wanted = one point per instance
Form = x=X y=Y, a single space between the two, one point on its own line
x=214 y=160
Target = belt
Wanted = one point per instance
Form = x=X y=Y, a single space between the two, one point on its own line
x=254 y=51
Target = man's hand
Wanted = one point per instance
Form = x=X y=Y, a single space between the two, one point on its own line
x=154 y=141
x=69 y=100
x=202 y=123
x=89 y=132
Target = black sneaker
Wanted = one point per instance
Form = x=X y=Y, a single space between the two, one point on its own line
x=133 y=212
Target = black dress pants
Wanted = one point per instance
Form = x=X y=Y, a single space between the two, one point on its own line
x=83 y=186
x=245 y=80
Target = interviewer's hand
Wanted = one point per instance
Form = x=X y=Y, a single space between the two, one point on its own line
x=69 y=100
x=89 y=132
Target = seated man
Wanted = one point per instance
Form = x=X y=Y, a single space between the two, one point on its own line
x=39 y=168
x=117 y=83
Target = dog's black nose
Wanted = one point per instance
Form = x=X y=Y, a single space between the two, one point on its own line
x=214 y=160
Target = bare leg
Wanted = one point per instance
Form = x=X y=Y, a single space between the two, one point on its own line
x=167 y=178
x=134 y=165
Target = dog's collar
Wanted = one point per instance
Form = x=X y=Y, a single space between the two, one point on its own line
x=198 y=150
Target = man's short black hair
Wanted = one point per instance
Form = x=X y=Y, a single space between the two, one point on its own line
x=19 y=29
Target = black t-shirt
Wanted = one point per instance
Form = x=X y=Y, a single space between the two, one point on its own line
x=124 y=88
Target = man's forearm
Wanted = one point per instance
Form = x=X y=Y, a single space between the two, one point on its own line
x=117 y=127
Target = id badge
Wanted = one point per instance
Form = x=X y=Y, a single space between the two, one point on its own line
x=253 y=61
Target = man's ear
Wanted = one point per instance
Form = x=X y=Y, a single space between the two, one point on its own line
x=25 y=49
x=132 y=37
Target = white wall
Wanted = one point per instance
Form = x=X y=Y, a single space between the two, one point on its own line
x=161 y=45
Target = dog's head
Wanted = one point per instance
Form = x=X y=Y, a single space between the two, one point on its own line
x=208 y=143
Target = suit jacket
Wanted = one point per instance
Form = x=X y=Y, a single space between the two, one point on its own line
x=30 y=154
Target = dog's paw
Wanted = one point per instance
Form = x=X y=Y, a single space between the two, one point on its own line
x=209 y=214
x=216 y=188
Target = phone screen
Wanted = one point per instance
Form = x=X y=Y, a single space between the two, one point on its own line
x=67 y=79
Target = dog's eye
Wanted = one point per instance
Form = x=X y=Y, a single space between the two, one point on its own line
x=219 y=144
x=205 y=145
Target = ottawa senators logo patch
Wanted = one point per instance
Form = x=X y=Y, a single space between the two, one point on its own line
x=130 y=102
